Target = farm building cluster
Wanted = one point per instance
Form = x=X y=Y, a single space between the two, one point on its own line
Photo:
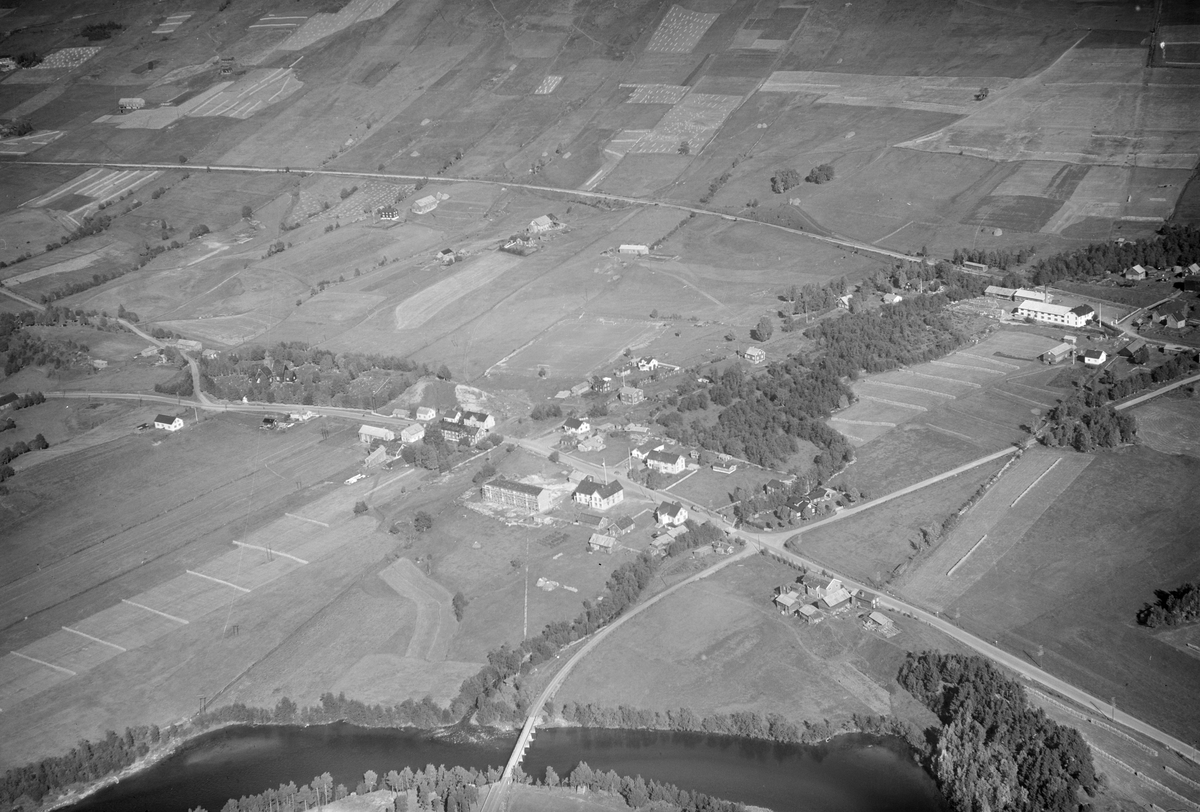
x=814 y=598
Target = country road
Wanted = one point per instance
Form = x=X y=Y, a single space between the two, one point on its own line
x=775 y=543
x=828 y=237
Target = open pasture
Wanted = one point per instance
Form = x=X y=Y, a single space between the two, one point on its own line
x=871 y=544
x=573 y=348
x=21 y=678
x=1170 y=425
x=71 y=651
x=642 y=175
x=84 y=257
x=29 y=143
x=324 y=315
x=435 y=621
x=326 y=256
x=680 y=31
x=212 y=198
x=1080 y=111
x=714 y=491
x=719 y=646
x=471 y=276
x=993 y=526
x=201 y=494
x=1074 y=582
x=126 y=625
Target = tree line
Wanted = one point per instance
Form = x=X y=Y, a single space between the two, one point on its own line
x=995 y=750
x=746 y=724
x=1178 y=366
x=638 y=792
x=1175 y=244
x=1086 y=421
x=10 y=453
x=454 y=789
x=1172 y=607
x=295 y=372
x=87 y=761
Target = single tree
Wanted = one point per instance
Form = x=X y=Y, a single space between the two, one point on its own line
x=360 y=507
x=422 y=521
x=247 y=212
x=460 y=605
x=684 y=148
x=444 y=372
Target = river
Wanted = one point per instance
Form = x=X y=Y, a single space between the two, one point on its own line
x=850 y=774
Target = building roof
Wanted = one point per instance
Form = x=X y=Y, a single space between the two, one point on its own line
x=1134 y=346
x=670 y=509
x=880 y=618
x=1095 y=355
x=512 y=485
x=808 y=610
x=375 y=431
x=1175 y=308
x=477 y=416
x=664 y=457
x=1083 y=311
x=1061 y=350
x=624 y=522
x=162 y=418
x=787 y=599
x=996 y=290
x=604 y=490
x=601 y=540
x=629 y=390
x=1041 y=307
x=839 y=595
x=574 y=423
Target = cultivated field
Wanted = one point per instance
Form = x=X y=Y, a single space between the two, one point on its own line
x=1170 y=425
x=913 y=422
x=993 y=526
x=573 y=348
x=872 y=544
x=1073 y=582
x=416 y=310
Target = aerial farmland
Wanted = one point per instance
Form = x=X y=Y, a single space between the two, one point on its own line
x=286 y=287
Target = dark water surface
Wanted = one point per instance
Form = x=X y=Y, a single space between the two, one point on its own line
x=852 y=774
x=849 y=774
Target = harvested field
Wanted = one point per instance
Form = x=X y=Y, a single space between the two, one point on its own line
x=695 y=119
x=420 y=308
x=680 y=31
x=936 y=94
x=656 y=94
x=993 y=526
x=171 y=24
x=249 y=94
x=71 y=651
x=322 y=25
x=22 y=678
x=29 y=143
x=67 y=58
x=99 y=185
x=1074 y=581
x=126 y=625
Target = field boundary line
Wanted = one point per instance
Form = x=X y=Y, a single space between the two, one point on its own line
x=901 y=404
x=1146 y=778
x=93 y=639
x=1182 y=777
x=43 y=662
x=217 y=580
x=990 y=360
x=684 y=479
x=940 y=378
x=966 y=366
x=864 y=422
x=958 y=563
x=269 y=551
x=1097 y=722
x=912 y=388
x=155 y=611
x=1036 y=481
x=305 y=519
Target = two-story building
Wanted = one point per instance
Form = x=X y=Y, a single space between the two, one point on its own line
x=598 y=495
x=508 y=493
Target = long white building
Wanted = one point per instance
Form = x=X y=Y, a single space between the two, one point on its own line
x=1076 y=316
